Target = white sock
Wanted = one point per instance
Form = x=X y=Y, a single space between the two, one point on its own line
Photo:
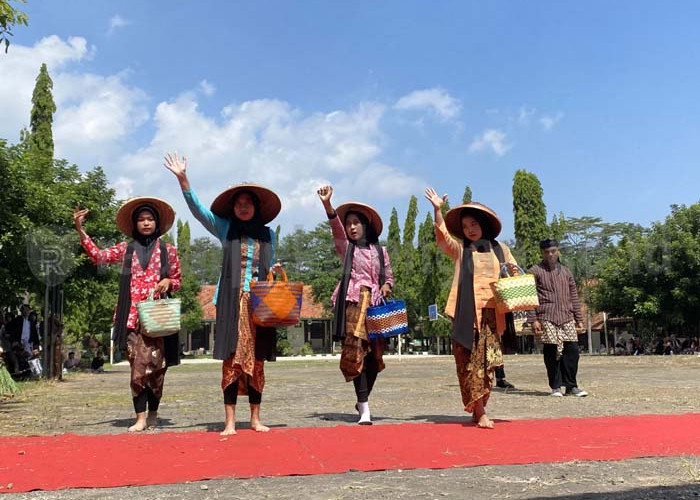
x=363 y=409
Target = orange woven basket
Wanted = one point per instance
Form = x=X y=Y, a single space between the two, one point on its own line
x=276 y=304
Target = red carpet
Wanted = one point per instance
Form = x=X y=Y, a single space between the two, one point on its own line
x=72 y=461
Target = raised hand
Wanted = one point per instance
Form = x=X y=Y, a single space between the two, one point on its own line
x=79 y=215
x=325 y=193
x=176 y=165
x=179 y=168
x=434 y=198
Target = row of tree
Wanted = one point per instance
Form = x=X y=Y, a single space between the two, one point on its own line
x=648 y=274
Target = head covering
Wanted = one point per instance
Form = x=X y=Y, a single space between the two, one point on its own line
x=270 y=204
x=548 y=243
x=489 y=221
x=135 y=218
x=370 y=213
x=126 y=214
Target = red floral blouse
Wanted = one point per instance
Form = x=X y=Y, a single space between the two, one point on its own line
x=143 y=281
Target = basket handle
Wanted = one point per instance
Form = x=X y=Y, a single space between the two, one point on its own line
x=162 y=295
x=271 y=276
x=505 y=272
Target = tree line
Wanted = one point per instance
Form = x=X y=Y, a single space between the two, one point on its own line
x=649 y=275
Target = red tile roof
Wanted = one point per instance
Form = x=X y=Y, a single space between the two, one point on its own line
x=309 y=307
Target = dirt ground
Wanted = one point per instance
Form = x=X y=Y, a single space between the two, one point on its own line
x=311 y=392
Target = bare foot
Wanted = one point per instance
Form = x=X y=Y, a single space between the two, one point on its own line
x=258 y=427
x=484 y=422
x=139 y=426
x=228 y=431
x=152 y=420
x=255 y=419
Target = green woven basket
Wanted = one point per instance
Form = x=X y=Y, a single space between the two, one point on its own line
x=159 y=318
x=516 y=293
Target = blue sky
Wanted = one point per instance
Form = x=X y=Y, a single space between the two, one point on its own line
x=380 y=99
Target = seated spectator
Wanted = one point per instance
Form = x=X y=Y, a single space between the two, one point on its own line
x=72 y=363
x=668 y=348
x=98 y=362
x=659 y=346
x=18 y=362
x=619 y=349
x=637 y=346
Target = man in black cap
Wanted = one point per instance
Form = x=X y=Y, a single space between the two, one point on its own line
x=556 y=319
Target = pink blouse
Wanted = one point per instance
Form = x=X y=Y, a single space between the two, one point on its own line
x=365 y=266
x=143 y=281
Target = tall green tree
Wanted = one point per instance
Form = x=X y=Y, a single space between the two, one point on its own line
x=393 y=239
x=406 y=269
x=530 y=217
x=409 y=227
x=41 y=120
x=9 y=18
x=207 y=255
x=557 y=227
x=467 y=196
x=189 y=286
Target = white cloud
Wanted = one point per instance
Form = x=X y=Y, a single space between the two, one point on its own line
x=207 y=88
x=123 y=188
x=270 y=143
x=265 y=141
x=493 y=140
x=19 y=69
x=94 y=113
x=549 y=121
x=435 y=99
x=117 y=22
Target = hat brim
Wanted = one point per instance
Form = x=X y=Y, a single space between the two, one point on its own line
x=372 y=215
x=124 y=220
x=270 y=204
x=453 y=219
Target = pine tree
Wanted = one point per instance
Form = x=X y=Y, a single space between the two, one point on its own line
x=409 y=227
x=467 y=196
x=41 y=120
x=393 y=239
x=530 y=217
x=407 y=275
x=278 y=230
x=557 y=228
